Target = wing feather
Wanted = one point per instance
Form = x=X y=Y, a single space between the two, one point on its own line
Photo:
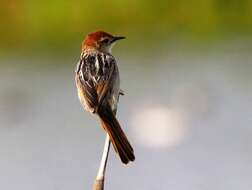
x=94 y=78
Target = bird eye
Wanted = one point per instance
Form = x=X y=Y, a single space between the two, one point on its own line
x=105 y=41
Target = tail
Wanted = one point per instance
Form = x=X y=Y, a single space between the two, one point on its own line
x=116 y=134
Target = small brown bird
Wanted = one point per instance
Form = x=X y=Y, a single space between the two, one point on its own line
x=98 y=85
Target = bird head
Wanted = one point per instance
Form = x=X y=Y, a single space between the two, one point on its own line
x=101 y=41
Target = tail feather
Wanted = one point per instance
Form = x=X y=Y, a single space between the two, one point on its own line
x=116 y=134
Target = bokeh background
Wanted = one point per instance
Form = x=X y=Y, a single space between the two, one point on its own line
x=186 y=71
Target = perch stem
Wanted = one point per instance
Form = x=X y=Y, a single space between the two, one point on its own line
x=99 y=181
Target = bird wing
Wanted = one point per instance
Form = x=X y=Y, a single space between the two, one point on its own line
x=94 y=73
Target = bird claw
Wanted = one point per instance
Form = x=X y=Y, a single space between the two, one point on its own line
x=121 y=92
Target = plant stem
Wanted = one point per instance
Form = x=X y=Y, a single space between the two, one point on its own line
x=99 y=181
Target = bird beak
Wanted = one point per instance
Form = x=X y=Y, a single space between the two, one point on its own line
x=118 y=38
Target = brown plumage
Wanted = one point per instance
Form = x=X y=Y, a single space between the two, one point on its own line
x=117 y=136
x=98 y=84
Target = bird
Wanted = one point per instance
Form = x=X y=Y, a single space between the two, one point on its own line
x=98 y=86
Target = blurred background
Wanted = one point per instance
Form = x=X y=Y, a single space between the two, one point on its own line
x=186 y=71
